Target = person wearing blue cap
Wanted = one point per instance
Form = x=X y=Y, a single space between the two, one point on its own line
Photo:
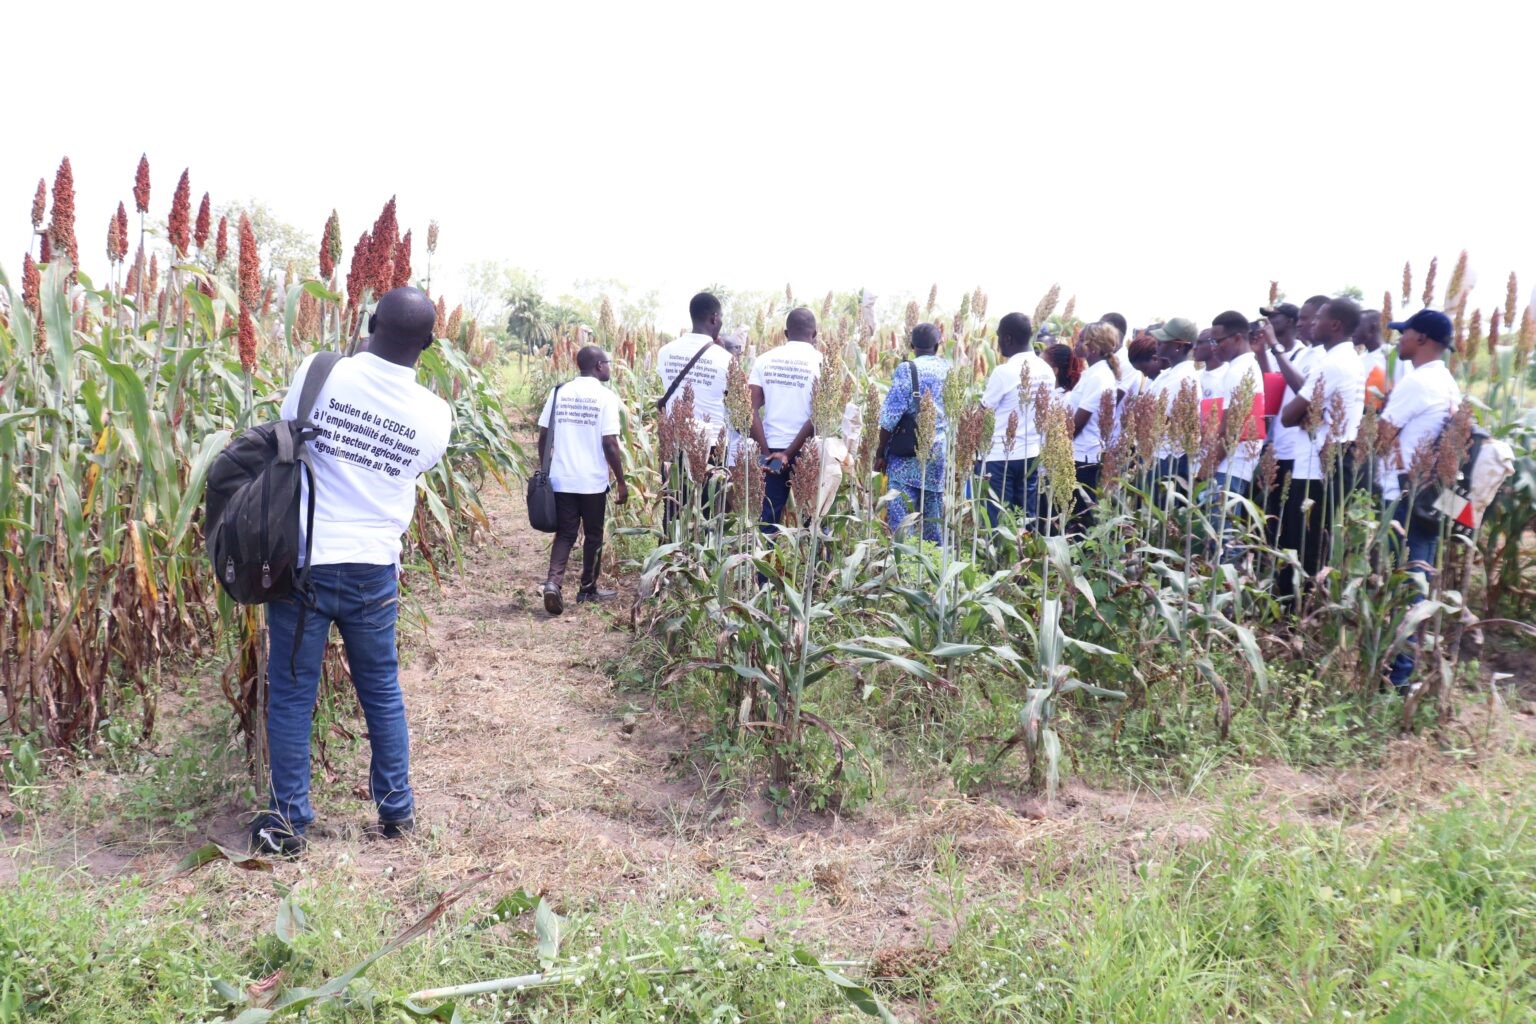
x=1416 y=413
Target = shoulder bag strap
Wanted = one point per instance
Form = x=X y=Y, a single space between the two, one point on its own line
x=916 y=387
x=549 y=441
x=678 y=380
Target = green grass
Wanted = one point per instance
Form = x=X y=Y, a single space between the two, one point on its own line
x=1266 y=920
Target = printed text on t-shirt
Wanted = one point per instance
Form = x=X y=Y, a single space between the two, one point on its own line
x=364 y=438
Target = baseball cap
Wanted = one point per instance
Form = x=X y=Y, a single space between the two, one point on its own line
x=1178 y=329
x=1283 y=308
x=1431 y=323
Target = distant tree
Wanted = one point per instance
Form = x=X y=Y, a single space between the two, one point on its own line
x=1352 y=291
x=279 y=243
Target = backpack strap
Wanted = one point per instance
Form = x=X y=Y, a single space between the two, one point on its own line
x=916 y=387
x=314 y=380
x=678 y=380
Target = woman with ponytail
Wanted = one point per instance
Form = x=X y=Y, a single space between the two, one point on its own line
x=1096 y=346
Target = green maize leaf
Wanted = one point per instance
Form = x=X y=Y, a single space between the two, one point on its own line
x=290 y=921
x=60 y=321
x=875 y=656
x=192 y=494
x=210 y=852
x=321 y=292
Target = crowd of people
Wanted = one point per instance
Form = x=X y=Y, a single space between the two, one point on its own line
x=1242 y=415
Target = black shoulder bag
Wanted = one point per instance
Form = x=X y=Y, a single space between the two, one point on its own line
x=678 y=380
x=903 y=440
x=542 y=513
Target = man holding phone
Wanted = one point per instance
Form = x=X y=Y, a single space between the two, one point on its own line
x=780 y=385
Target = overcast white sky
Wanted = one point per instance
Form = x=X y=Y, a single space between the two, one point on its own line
x=1157 y=158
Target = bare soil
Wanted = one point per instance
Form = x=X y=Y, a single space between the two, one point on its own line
x=527 y=758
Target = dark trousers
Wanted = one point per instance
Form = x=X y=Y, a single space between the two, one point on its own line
x=586 y=512
x=1308 y=530
x=1422 y=543
x=1086 y=496
x=776 y=495
x=1015 y=483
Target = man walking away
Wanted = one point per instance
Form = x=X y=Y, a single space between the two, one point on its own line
x=1320 y=481
x=580 y=428
x=780 y=384
x=1416 y=413
x=703 y=362
x=379 y=431
x=917 y=480
x=1011 y=463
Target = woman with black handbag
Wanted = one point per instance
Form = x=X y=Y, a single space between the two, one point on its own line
x=918 y=482
x=578 y=433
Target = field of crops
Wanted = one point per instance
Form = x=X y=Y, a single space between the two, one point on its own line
x=927 y=707
x=1003 y=646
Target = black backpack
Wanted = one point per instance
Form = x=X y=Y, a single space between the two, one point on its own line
x=251 y=518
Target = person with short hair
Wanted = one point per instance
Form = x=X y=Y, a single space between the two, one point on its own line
x=918 y=482
x=1097 y=346
x=379 y=430
x=702 y=359
x=1281 y=340
x=780 y=384
x=1232 y=475
x=579 y=428
x=1416 y=413
x=1318 y=489
x=1011 y=467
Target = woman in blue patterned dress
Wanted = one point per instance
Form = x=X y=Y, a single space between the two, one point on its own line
x=918 y=486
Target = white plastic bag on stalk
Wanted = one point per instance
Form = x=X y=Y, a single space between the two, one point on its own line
x=835 y=459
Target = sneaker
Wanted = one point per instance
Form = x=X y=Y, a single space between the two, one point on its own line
x=390 y=829
x=594 y=594
x=272 y=837
x=554 y=601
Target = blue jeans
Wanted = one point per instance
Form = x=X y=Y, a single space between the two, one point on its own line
x=1423 y=543
x=1014 y=483
x=776 y=496
x=1215 y=497
x=363 y=602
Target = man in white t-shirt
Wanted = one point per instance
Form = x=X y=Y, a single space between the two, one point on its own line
x=1321 y=479
x=1417 y=411
x=780 y=385
x=1011 y=464
x=700 y=363
x=1234 y=465
x=379 y=431
x=579 y=428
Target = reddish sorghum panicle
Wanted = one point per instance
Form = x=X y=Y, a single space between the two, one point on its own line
x=141 y=185
x=135 y=272
x=357 y=273
x=440 y=322
x=327 y=257
x=120 y=225
x=1493 y=333
x=61 y=229
x=432 y=237
x=204 y=222
x=247 y=341
x=249 y=271
x=179 y=224
x=385 y=237
x=454 y=320
x=402 y=263
x=1407 y=284
x=31 y=285
x=1511 y=299
x=39 y=203
x=45 y=248
x=153 y=284
x=1274 y=292
x=112 y=254
x=1429 y=282
x=221 y=242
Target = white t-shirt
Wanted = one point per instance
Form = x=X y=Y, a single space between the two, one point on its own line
x=1171 y=383
x=585 y=413
x=379 y=431
x=1244 y=456
x=1088 y=446
x=706 y=377
x=1342 y=374
x=786 y=374
x=1211 y=381
x=1002 y=397
x=1290 y=440
x=1419 y=407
